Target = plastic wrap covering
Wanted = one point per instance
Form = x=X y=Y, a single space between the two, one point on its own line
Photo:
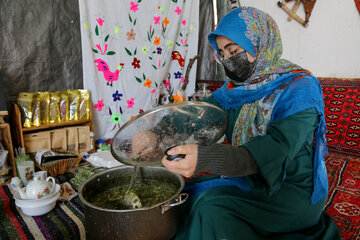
x=40 y=46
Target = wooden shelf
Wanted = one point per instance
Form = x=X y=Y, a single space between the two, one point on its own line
x=56 y=125
x=19 y=130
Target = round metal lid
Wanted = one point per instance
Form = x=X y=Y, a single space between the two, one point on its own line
x=143 y=140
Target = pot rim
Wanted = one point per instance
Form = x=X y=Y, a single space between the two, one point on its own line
x=182 y=184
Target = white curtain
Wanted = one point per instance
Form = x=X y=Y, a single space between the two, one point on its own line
x=132 y=52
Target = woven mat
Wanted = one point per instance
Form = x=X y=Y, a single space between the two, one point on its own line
x=65 y=221
x=343 y=203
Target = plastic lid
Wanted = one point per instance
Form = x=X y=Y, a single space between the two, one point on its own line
x=143 y=140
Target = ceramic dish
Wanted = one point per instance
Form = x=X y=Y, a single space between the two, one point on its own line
x=35 y=207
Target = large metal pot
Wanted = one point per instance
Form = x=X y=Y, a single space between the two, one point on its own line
x=156 y=222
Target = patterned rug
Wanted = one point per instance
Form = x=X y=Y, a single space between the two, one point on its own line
x=343 y=203
x=342 y=111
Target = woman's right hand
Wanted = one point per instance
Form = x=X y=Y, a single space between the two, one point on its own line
x=186 y=166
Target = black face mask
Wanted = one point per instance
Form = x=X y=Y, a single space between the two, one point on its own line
x=238 y=68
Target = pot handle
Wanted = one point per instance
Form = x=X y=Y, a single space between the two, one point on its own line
x=173 y=203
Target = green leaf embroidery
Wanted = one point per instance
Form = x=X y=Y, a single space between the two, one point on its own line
x=106 y=38
x=139 y=1
x=130 y=18
x=154 y=52
x=148 y=36
x=181 y=34
x=135 y=51
x=138 y=79
x=178 y=44
x=164 y=63
x=150 y=58
x=134 y=22
x=156 y=85
x=175 y=1
x=128 y=52
x=154 y=66
x=144 y=76
x=111 y=53
x=97 y=30
x=152 y=33
x=186 y=45
x=95 y=51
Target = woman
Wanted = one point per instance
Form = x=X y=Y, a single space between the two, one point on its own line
x=271 y=182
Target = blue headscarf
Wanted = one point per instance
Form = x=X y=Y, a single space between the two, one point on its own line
x=295 y=89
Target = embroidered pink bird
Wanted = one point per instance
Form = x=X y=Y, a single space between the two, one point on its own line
x=109 y=76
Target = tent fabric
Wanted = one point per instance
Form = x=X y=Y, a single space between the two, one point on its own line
x=133 y=51
x=40 y=46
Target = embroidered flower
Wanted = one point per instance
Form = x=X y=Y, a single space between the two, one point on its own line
x=134 y=6
x=166 y=21
x=183 y=22
x=100 y=49
x=130 y=103
x=136 y=63
x=147 y=83
x=116 y=118
x=183 y=42
x=100 y=21
x=156 y=20
x=170 y=44
x=159 y=49
x=144 y=50
x=157 y=41
x=177 y=75
x=182 y=79
x=99 y=105
x=166 y=83
x=131 y=35
x=116 y=29
x=177 y=10
x=117 y=96
x=141 y=111
x=178 y=98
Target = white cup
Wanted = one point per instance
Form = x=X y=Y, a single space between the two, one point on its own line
x=42 y=175
x=26 y=171
x=16 y=183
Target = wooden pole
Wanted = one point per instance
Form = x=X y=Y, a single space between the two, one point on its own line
x=294 y=9
x=293 y=15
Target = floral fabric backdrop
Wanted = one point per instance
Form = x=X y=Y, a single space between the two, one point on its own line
x=135 y=55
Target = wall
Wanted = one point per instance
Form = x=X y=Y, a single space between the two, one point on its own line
x=329 y=46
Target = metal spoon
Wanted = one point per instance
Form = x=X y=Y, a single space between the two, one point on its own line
x=130 y=199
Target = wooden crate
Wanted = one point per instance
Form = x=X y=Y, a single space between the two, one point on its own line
x=6 y=141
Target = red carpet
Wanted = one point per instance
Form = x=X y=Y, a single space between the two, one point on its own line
x=344 y=194
x=342 y=111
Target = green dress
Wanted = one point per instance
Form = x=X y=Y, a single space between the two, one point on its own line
x=279 y=207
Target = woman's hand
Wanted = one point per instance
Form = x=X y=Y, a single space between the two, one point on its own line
x=185 y=167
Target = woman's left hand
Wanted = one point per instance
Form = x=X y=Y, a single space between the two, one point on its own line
x=185 y=167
